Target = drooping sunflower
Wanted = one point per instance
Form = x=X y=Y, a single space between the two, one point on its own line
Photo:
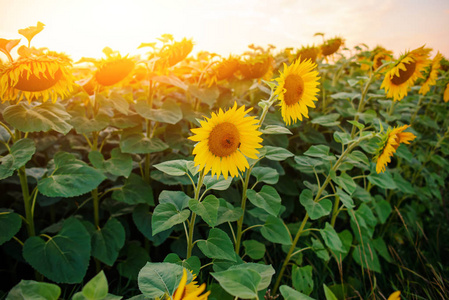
x=395 y=296
x=401 y=75
x=432 y=74
x=331 y=46
x=297 y=89
x=224 y=140
x=38 y=74
x=113 y=70
x=446 y=93
x=171 y=54
x=225 y=68
x=390 y=143
x=309 y=52
x=256 y=67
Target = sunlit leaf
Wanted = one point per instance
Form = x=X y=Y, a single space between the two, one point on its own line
x=31 y=31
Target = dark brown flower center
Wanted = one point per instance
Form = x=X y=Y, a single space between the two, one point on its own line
x=31 y=83
x=404 y=75
x=224 y=139
x=294 y=86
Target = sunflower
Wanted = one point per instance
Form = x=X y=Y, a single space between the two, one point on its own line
x=395 y=296
x=224 y=140
x=331 y=46
x=297 y=89
x=36 y=74
x=113 y=70
x=446 y=93
x=309 y=52
x=432 y=74
x=390 y=143
x=401 y=76
x=226 y=68
x=190 y=291
x=256 y=67
x=171 y=54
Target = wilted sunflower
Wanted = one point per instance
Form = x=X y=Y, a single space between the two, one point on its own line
x=395 y=296
x=225 y=68
x=331 y=46
x=113 y=70
x=446 y=94
x=256 y=67
x=401 y=76
x=309 y=52
x=431 y=77
x=297 y=89
x=171 y=54
x=36 y=74
x=390 y=143
x=224 y=140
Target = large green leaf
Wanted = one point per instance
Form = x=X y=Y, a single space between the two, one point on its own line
x=167 y=215
x=266 y=174
x=206 y=95
x=277 y=153
x=71 y=177
x=63 y=258
x=42 y=117
x=10 y=223
x=142 y=219
x=327 y=120
x=30 y=289
x=95 y=289
x=120 y=164
x=345 y=199
x=265 y=271
x=178 y=167
x=20 y=153
x=331 y=238
x=328 y=293
x=254 y=249
x=136 y=258
x=107 y=241
x=206 y=209
x=275 y=231
x=275 y=129
x=383 y=180
x=319 y=151
x=178 y=198
x=170 y=112
x=345 y=182
x=133 y=141
x=315 y=210
x=214 y=183
x=218 y=245
x=290 y=294
x=192 y=263
x=268 y=199
x=302 y=279
x=84 y=124
x=227 y=212
x=242 y=283
x=366 y=256
x=157 y=279
x=134 y=191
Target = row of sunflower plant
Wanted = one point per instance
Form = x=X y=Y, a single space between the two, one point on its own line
x=297 y=174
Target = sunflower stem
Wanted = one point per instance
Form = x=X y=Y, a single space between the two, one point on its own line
x=317 y=198
x=362 y=103
x=27 y=201
x=417 y=109
x=7 y=129
x=243 y=205
x=190 y=242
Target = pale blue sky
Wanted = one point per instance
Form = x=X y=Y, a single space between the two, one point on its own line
x=85 y=27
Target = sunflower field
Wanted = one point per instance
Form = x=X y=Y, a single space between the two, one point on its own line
x=316 y=172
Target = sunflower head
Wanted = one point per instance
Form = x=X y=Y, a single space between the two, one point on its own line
x=36 y=74
x=256 y=67
x=113 y=70
x=223 y=141
x=390 y=142
x=331 y=46
x=190 y=291
x=308 y=53
x=432 y=74
x=297 y=89
x=226 y=68
x=402 y=74
x=171 y=54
